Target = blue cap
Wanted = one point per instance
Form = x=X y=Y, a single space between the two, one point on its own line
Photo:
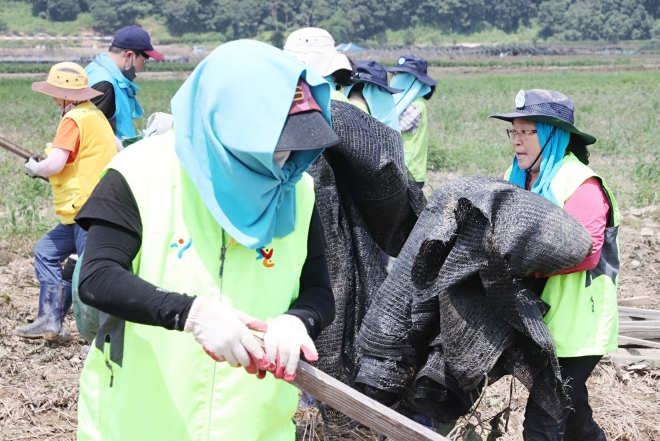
x=414 y=65
x=136 y=38
x=372 y=72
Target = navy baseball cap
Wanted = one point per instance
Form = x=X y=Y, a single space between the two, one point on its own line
x=414 y=65
x=136 y=38
x=372 y=72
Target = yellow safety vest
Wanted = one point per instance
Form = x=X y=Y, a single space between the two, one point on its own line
x=73 y=185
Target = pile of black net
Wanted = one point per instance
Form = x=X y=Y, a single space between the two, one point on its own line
x=366 y=201
x=456 y=306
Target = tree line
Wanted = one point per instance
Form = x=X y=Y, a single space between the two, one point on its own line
x=359 y=20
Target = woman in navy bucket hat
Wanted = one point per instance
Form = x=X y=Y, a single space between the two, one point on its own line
x=410 y=74
x=371 y=93
x=551 y=160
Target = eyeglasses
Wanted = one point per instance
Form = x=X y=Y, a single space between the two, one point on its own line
x=145 y=57
x=523 y=134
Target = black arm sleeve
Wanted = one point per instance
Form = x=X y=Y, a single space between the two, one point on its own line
x=108 y=283
x=112 y=219
x=106 y=102
x=315 y=304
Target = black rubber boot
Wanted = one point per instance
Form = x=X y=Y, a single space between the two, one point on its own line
x=54 y=303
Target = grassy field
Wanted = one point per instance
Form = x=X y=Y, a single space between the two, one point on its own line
x=622 y=109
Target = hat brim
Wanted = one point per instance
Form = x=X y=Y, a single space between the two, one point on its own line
x=423 y=78
x=560 y=123
x=392 y=90
x=306 y=131
x=67 y=94
x=155 y=55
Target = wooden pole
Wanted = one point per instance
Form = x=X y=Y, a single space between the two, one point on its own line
x=18 y=151
x=361 y=408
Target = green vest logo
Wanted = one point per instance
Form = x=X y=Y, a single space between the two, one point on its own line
x=266 y=255
x=183 y=248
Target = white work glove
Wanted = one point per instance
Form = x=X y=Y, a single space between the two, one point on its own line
x=158 y=123
x=224 y=333
x=30 y=165
x=285 y=338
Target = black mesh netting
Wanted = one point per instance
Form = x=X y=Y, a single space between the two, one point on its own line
x=456 y=307
x=366 y=201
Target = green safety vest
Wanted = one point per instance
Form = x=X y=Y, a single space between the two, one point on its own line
x=148 y=383
x=583 y=318
x=416 y=145
x=336 y=95
x=362 y=107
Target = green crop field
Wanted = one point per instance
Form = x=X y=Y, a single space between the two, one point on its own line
x=622 y=109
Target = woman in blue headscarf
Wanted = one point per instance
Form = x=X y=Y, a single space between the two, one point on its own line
x=410 y=74
x=197 y=239
x=551 y=160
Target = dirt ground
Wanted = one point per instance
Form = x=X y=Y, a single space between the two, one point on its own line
x=39 y=380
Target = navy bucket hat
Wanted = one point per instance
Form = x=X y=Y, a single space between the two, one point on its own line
x=372 y=72
x=414 y=65
x=549 y=107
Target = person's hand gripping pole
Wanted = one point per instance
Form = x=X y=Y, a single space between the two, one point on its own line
x=224 y=333
x=284 y=340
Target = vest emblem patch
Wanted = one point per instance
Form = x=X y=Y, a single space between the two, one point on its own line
x=182 y=248
x=266 y=255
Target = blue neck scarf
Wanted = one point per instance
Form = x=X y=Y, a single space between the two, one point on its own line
x=331 y=82
x=381 y=104
x=131 y=88
x=228 y=116
x=551 y=160
x=412 y=89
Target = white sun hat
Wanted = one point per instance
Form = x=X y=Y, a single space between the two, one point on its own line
x=316 y=48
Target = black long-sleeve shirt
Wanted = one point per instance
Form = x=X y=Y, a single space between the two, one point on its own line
x=106 y=102
x=112 y=218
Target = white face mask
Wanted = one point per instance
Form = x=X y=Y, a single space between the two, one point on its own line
x=280 y=158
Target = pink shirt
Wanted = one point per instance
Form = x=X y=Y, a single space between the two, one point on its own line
x=590 y=207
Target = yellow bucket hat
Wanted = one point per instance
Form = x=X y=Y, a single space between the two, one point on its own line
x=67 y=81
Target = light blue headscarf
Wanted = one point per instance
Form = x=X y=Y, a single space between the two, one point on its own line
x=331 y=82
x=228 y=116
x=551 y=160
x=380 y=102
x=412 y=88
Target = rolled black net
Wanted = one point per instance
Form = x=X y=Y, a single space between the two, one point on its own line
x=366 y=201
x=457 y=305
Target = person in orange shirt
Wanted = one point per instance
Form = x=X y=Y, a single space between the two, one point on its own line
x=83 y=146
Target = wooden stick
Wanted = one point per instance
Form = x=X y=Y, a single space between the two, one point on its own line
x=629 y=356
x=15 y=148
x=649 y=314
x=19 y=151
x=361 y=408
x=640 y=333
x=635 y=301
x=625 y=340
x=641 y=324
